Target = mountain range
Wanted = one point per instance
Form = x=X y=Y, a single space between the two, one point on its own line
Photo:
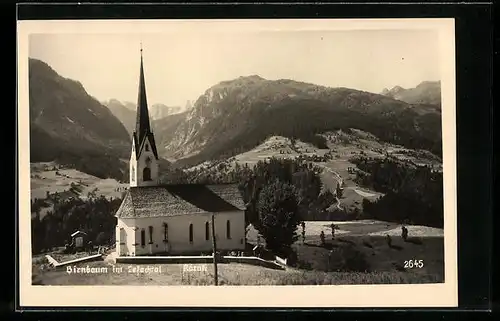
x=229 y=118
x=236 y=115
x=427 y=92
x=159 y=111
x=70 y=126
x=126 y=111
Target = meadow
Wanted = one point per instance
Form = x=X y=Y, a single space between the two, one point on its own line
x=48 y=177
x=359 y=254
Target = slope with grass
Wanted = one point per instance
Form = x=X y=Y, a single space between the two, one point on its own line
x=65 y=183
x=228 y=274
x=45 y=179
x=360 y=246
x=334 y=160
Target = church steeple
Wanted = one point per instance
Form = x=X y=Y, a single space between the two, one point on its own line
x=142 y=127
x=144 y=159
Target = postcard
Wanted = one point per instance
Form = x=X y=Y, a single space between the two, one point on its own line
x=237 y=163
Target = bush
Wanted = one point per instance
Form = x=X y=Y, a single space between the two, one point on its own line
x=304 y=265
x=347 y=259
x=102 y=238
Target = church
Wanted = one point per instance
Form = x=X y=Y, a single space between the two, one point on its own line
x=172 y=219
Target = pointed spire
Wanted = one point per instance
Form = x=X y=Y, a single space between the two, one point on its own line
x=142 y=127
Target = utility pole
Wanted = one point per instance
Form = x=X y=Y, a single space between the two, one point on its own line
x=214 y=244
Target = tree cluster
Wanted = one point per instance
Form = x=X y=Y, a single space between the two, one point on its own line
x=413 y=193
x=94 y=216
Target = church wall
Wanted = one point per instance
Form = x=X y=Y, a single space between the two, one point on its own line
x=237 y=231
x=178 y=233
x=130 y=235
x=133 y=164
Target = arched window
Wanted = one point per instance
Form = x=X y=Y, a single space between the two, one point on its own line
x=146 y=174
x=228 y=229
x=165 y=231
x=150 y=235
x=122 y=235
x=207 y=231
x=190 y=233
x=143 y=237
x=133 y=172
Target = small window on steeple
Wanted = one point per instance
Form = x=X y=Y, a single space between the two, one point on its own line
x=146 y=174
x=147 y=148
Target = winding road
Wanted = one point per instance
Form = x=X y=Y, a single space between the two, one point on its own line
x=340 y=181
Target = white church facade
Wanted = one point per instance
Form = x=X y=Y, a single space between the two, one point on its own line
x=172 y=219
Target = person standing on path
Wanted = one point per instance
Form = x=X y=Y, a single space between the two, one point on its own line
x=404 y=232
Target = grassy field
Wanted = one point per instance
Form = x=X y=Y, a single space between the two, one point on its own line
x=279 y=147
x=358 y=229
x=362 y=245
x=229 y=274
x=44 y=178
x=359 y=254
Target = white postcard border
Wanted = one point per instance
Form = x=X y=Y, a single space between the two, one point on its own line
x=324 y=296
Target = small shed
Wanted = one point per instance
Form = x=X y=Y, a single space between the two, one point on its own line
x=78 y=239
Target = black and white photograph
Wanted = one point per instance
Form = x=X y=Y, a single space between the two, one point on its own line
x=218 y=155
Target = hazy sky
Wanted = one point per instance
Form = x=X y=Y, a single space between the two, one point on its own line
x=181 y=66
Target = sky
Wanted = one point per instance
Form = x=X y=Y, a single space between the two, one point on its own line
x=181 y=66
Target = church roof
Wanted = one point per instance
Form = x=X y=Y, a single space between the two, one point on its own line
x=78 y=233
x=142 y=119
x=139 y=146
x=180 y=199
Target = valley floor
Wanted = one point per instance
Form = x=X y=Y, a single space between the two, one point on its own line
x=386 y=264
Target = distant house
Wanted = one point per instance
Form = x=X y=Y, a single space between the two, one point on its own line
x=173 y=219
x=78 y=239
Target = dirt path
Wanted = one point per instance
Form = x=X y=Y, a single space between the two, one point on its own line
x=339 y=180
x=364 y=194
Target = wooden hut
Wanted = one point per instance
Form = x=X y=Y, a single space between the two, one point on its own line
x=79 y=239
